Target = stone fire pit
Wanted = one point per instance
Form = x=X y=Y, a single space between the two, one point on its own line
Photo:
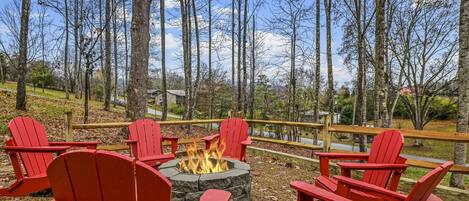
x=188 y=187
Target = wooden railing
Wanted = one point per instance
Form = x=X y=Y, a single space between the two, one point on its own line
x=325 y=129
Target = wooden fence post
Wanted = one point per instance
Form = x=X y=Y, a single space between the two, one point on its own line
x=326 y=138
x=68 y=126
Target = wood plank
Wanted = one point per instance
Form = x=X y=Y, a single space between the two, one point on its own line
x=408 y=133
x=200 y=121
x=118 y=147
x=289 y=143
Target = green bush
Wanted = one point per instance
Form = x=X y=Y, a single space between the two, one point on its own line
x=443 y=108
x=42 y=75
x=176 y=109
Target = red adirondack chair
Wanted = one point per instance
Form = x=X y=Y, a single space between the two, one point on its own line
x=383 y=168
x=234 y=133
x=145 y=141
x=106 y=176
x=308 y=192
x=30 y=149
x=422 y=191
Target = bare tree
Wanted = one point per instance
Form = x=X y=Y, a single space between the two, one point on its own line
x=76 y=37
x=2 y=73
x=245 y=71
x=163 y=62
x=427 y=61
x=210 y=83
x=126 y=73
x=107 y=61
x=317 y=71
x=23 y=51
x=379 y=65
x=137 y=87
x=330 y=76
x=233 y=54
x=460 y=149
x=253 y=69
x=114 y=34
x=185 y=5
x=240 y=97
x=197 y=38
x=66 y=68
x=289 y=16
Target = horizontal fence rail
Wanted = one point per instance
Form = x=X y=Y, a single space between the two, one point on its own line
x=408 y=133
x=326 y=129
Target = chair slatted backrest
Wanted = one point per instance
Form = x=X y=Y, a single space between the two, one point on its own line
x=148 y=134
x=149 y=188
x=28 y=132
x=425 y=185
x=105 y=176
x=232 y=132
x=385 y=148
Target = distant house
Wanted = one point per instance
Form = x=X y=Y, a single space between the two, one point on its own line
x=309 y=115
x=174 y=97
x=153 y=93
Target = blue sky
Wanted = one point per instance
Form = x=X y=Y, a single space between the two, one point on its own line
x=173 y=37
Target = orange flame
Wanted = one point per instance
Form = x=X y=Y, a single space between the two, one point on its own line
x=206 y=161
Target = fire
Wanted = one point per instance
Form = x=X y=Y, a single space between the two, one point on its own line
x=206 y=161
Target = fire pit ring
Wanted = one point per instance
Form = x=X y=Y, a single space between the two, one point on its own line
x=189 y=187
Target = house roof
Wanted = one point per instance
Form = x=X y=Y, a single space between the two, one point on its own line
x=177 y=92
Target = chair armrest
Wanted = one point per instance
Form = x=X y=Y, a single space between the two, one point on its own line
x=56 y=149
x=132 y=148
x=208 y=140
x=174 y=143
x=90 y=145
x=342 y=156
x=210 y=137
x=346 y=184
x=310 y=191
x=215 y=195
x=347 y=167
x=246 y=142
x=325 y=157
x=130 y=142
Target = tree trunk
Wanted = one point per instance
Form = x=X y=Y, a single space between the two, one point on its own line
x=245 y=72
x=233 y=55
x=137 y=89
x=78 y=76
x=101 y=48
x=163 y=63
x=22 y=60
x=75 y=39
x=43 y=47
x=292 y=105
x=210 y=82
x=330 y=76
x=360 y=73
x=253 y=71
x=197 y=40
x=126 y=73
x=2 y=73
x=460 y=150
x=317 y=71
x=114 y=28
x=379 y=89
x=107 y=61
x=239 y=103
x=187 y=67
x=66 y=69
